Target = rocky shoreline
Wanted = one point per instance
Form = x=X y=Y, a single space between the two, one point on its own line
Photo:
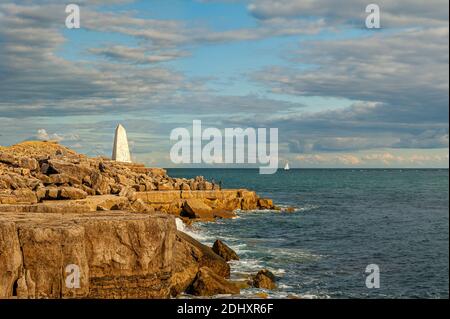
x=115 y=222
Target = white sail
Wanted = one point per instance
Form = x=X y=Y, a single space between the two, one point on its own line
x=287 y=167
x=121 y=151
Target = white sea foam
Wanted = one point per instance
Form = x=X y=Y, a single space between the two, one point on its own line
x=200 y=236
x=294 y=254
x=284 y=286
x=305 y=208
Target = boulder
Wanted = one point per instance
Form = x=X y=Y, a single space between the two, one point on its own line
x=138 y=206
x=264 y=203
x=264 y=279
x=76 y=171
x=72 y=193
x=185 y=187
x=25 y=195
x=8 y=159
x=29 y=163
x=208 y=283
x=52 y=193
x=99 y=183
x=249 y=200
x=288 y=209
x=128 y=192
x=58 y=179
x=205 y=256
x=165 y=187
x=208 y=186
x=119 y=255
x=195 y=208
x=223 y=214
x=224 y=251
x=41 y=192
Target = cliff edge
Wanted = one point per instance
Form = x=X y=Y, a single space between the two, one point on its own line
x=79 y=227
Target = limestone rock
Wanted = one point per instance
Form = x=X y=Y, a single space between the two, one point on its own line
x=265 y=279
x=185 y=187
x=52 y=193
x=99 y=183
x=195 y=208
x=224 y=251
x=119 y=255
x=205 y=256
x=139 y=206
x=72 y=193
x=249 y=200
x=10 y=258
x=223 y=214
x=25 y=195
x=165 y=187
x=129 y=193
x=29 y=163
x=208 y=283
x=264 y=203
x=50 y=218
x=7 y=158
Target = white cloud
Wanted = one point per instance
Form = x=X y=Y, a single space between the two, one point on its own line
x=374 y=159
x=352 y=12
x=44 y=136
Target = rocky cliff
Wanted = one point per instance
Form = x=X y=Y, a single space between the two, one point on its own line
x=118 y=255
x=79 y=227
x=44 y=172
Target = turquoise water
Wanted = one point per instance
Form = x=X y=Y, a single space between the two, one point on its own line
x=345 y=220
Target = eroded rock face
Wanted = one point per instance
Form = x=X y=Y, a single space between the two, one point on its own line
x=119 y=255
x=224 y=251
x=205 y=256
x=10 y=258
x=265 y=203
x=195 y=208
x=208 y=283
x=32 y=172
x=112 y=221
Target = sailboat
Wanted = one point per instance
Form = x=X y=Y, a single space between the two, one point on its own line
x=287 y=167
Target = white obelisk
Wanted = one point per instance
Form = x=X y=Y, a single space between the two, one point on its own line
x=121 y=151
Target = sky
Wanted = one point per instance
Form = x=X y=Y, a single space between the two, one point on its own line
x=341 y=95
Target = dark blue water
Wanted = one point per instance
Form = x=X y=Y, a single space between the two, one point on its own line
x=345 y=220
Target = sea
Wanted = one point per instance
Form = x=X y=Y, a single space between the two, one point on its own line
x=344 y=221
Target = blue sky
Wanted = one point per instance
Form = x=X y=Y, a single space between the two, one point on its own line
x=340 y=94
